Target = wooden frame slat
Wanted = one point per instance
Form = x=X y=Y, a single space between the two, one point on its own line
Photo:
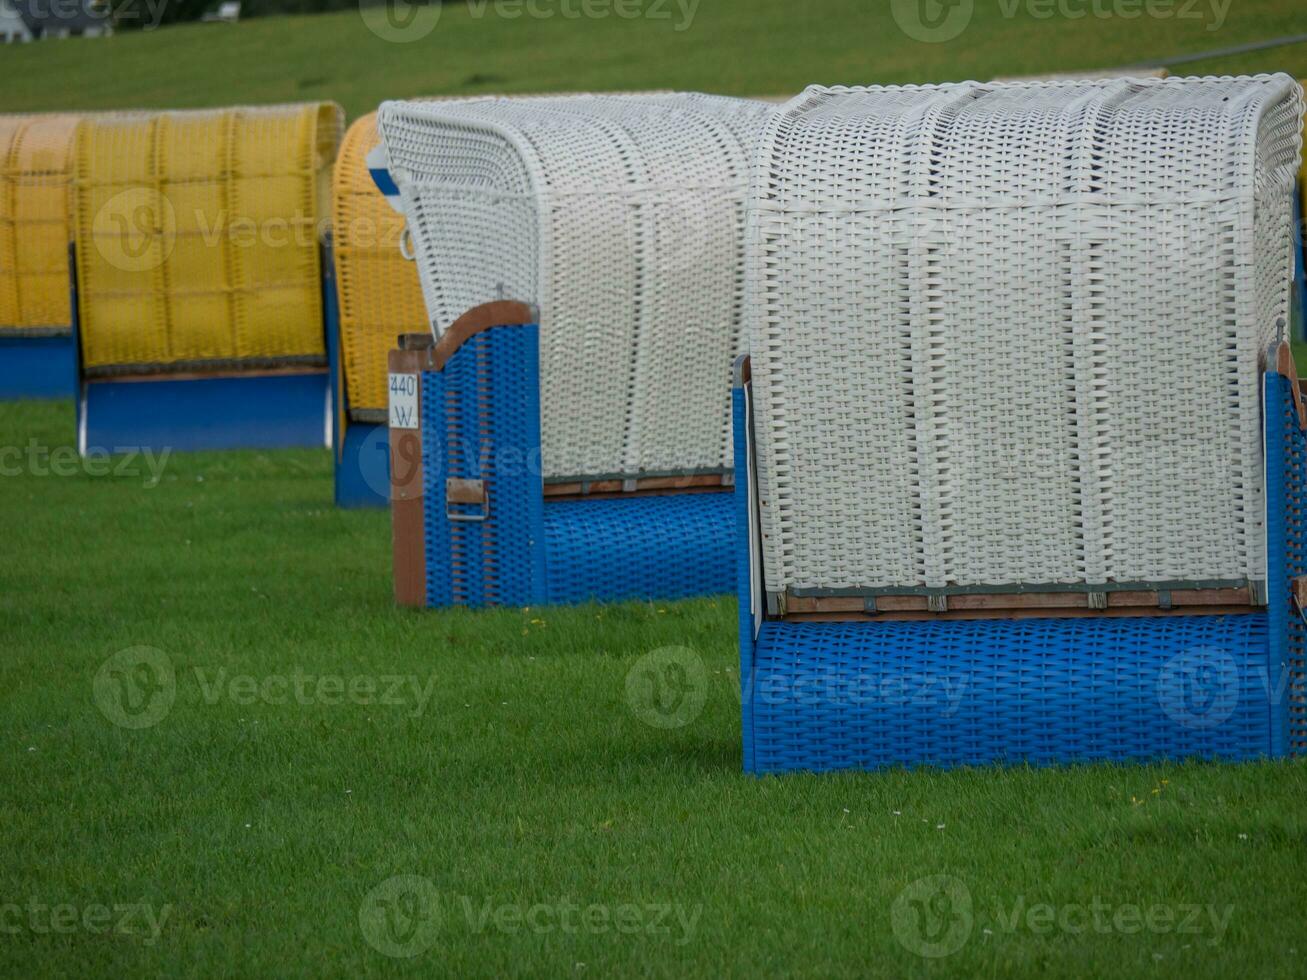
x=1148 y=602
x=408 y=530
x=644 y=487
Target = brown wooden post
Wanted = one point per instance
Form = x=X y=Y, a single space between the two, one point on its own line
x=408 y=534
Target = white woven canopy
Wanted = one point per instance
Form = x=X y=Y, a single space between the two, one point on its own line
x=1010 y=333
x=621 y=218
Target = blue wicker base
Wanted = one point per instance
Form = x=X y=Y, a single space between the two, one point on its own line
x=828 y=696
x=37 y=367
x=481 y=421
x=867 y=695
x=667 y=547
x=1286 y=453
x=213 y=413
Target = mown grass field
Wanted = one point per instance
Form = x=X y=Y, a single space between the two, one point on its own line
x=316 y=743
x=511 y=771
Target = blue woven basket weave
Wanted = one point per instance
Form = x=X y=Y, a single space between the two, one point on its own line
x=865 y=695
x=481 y=421
x=1287 y=526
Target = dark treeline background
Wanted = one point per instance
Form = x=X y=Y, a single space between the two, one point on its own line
x=136 y=13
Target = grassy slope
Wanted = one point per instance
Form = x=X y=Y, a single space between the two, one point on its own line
x=731 y=46
x=526 y=779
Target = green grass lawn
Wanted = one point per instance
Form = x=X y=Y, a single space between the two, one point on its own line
x=743 y=47
x=552 y=831
x=328 y=780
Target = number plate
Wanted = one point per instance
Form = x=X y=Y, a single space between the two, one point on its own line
x=403 y=401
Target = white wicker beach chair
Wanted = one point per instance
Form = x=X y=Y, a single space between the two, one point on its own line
x=1008 y=343
x=620 y=219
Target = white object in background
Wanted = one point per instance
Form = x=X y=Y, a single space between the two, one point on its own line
x=228 y=12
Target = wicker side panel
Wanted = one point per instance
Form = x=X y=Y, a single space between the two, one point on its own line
x=198 y=235
x=621 y=219
x=36 y=155
x=1283 y=422
x=9 y=304
x=481 y=423
x=1011 y=333
x=380 y=296
x=655 y=547
x=1302 y=177
x=1042 y=691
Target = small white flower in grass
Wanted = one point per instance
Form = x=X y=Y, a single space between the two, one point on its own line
x=988 y=932
x=31 y=748
x=846 y=809
x=898 y=813
x=247 y=826
x=939 y=826
x=348 y=791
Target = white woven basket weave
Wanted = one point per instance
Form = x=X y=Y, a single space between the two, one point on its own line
x=1010 y=333
x=622 y=219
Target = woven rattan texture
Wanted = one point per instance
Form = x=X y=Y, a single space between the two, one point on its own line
x=1010 y=333
x=380 y=297
x=480 y=422
x=1282 y=422
x=870 y=695
x=36 y=154
x=198 y=234
x=824 y=696
x=379 y=293
x=1302 y=180
x=621 y=218
x=656 y=547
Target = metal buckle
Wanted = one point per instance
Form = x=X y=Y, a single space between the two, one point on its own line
x=1298 y=596
x=468 y=492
